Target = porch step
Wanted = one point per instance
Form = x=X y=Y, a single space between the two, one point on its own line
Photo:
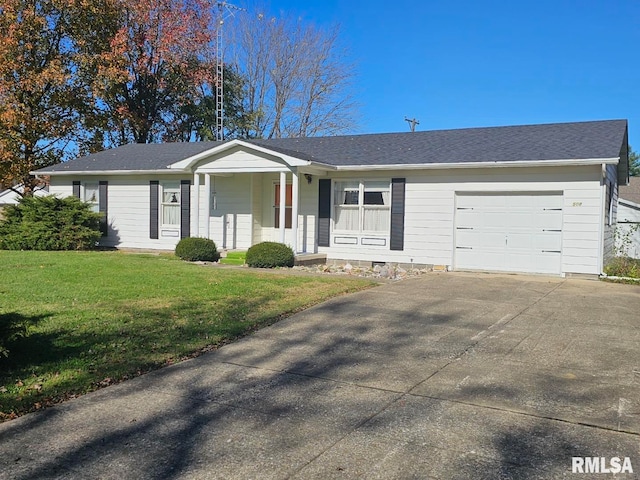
x=310 y=259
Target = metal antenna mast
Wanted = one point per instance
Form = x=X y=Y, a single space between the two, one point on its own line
x=225 y=10
x=412 y=123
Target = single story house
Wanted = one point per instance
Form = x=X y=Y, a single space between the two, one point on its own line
x=532 y=198
x=628 y=230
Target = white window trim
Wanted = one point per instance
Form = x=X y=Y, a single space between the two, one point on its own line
x=169 y=187
x=361 y=207
x=95 y=205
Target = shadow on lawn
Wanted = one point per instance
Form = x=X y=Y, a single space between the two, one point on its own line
x=268 y=407
x=13 y=329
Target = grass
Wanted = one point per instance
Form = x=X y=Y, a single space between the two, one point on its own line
x=234 y=258
x=96 y=318
x=623 y=267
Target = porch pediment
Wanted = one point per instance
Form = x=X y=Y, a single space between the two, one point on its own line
x=239 y=157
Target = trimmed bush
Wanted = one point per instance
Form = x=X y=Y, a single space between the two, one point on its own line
x=270 y=255
x=49 y=223
x=195 y=249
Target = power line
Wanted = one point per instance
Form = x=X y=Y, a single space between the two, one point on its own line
x=412 y=123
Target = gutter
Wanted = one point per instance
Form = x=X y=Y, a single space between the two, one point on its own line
x=39 y=173
x=504 y=164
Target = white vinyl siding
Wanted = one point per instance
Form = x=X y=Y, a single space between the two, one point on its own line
x=430 y=211
x=129 y=209
x=231 y=222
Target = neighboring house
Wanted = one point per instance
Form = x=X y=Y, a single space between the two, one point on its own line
x=537 y=198
x=628 y=229
x=11 y=197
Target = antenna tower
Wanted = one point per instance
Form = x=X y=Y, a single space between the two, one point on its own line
x=225 y=10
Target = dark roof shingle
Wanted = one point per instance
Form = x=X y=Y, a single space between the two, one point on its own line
x=558 y=141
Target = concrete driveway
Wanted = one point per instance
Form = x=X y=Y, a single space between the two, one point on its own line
x=447 y=376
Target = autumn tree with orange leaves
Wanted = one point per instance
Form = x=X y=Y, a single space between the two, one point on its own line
x=41 y=100
x=90 y=74
x=161 y=59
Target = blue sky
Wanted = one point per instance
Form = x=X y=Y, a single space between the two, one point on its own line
x=466 y=63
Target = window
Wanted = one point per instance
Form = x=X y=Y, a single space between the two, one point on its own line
x=287 y=202
x=170 y=211
x=92 y=196
x=362 y=206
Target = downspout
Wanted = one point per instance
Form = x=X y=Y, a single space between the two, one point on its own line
x=603 y=193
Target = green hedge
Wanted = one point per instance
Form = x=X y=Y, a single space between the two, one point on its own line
x=195 y=249
x=270 y=255
x=49 y=223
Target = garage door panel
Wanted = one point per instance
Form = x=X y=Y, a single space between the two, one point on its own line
x=509 y=232
x=473 y=261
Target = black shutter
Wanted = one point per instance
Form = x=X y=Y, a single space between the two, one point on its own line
x=397 y=214
x=76 y=189
x=324 y=212
x=185 y=208
x=153 y=209
x=102 y=206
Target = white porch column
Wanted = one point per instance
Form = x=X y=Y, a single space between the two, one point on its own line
x=295 y=184
x=282 y=206
x=207 y=203
x=196 y=206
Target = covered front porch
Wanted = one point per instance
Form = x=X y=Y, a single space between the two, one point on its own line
x=243 y=195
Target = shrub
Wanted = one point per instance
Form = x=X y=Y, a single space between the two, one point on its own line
x=195 y=249
x=49 y=223
x=623 y=267
x=270 y=255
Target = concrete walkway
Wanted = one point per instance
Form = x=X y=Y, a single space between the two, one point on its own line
x=446 y=376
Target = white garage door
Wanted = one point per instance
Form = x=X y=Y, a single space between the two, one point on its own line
x=509 y=232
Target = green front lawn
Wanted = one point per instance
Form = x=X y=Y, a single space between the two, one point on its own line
x=96 y=318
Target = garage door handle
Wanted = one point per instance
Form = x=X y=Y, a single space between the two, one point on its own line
x=552 y=209
x=551 y=251
x=465 y=248
x=464 y=228
x=550 y=230
x=465 y=208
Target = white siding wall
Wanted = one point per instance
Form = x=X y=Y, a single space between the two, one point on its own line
x=245 y=215
x=257 y=200
x=128 y=208
x=628 y=229
x=231 y=222
x=430 y=212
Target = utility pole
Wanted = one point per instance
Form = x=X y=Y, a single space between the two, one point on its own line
x=412 y=123
x=225 y=10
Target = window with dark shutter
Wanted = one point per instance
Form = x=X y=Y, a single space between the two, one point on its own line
x=153 y=208
x=324 y=212
x=185 y=208
x=397 y=213
x=102 y=207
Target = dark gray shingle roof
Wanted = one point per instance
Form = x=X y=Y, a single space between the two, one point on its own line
x=559 y=141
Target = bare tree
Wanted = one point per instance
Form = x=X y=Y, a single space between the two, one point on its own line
x=297 y=80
